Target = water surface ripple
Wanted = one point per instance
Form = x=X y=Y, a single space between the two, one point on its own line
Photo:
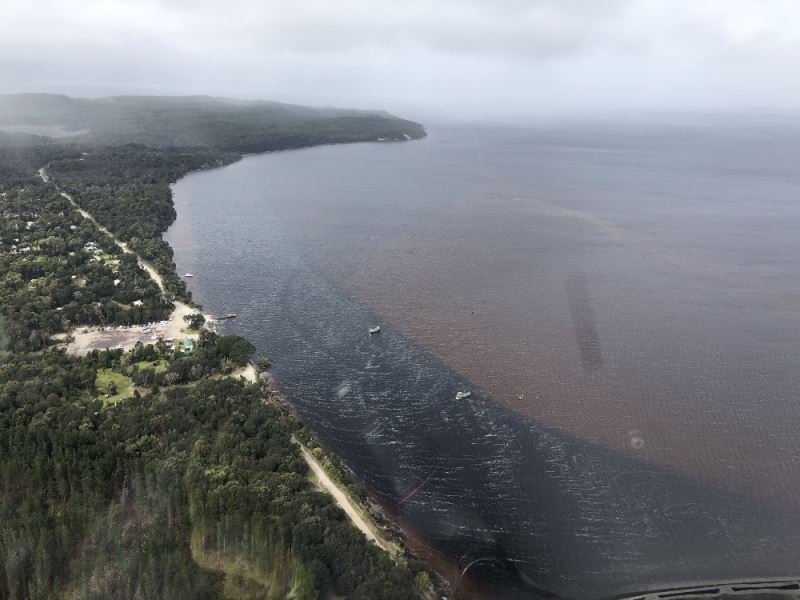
x=624 y=306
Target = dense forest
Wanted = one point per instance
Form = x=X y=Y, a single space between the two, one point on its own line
x=195 y=491
x=127 y=189
x=152 y=473
x=57 y=270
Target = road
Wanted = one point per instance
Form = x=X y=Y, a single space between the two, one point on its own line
x=86 y=339
x=341 y=498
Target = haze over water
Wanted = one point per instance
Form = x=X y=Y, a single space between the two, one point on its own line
x=626 y=301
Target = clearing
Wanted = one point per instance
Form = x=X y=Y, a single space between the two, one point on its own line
x=124 y=386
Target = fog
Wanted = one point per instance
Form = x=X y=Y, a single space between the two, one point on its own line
x=477 y=59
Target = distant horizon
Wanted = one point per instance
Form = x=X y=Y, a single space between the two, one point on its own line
x=653 y=116
x=498 y=60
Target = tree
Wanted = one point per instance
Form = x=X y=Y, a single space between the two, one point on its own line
x=195 y=320
x=234 y=348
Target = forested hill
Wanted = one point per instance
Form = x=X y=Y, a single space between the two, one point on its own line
x=190 y=121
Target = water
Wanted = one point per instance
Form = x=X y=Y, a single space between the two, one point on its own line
x=623 y=302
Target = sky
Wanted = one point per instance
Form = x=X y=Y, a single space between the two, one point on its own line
x=476 y=59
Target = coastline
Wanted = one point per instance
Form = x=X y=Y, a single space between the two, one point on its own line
x=82 y=340
x=388 y=534
x=365 y=513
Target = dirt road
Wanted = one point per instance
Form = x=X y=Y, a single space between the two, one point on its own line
x=86 y=339
x=341 y=498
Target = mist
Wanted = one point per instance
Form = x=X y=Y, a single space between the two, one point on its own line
x=500 y=60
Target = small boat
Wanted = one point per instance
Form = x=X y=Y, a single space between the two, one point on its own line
x=231 y=315
x=463 y=395
x=189 y=275
x=376 y=329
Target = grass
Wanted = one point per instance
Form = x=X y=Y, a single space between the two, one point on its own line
x=245 y=579
x=109 y=260
x=158 y=365
x=124 y=385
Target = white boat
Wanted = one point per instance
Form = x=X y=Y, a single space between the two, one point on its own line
x=463 y=395
x=189 y=275
x=376 y=329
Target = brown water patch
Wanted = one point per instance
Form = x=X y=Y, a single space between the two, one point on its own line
x=487 y=294
x=586 y=336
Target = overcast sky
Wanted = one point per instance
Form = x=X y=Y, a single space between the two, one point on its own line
x=463 y=58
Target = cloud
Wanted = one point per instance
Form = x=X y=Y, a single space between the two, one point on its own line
x=472 y=58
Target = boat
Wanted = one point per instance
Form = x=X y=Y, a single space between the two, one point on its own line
x=231 y=315
x=463 y=395
x=376 y=329
x=189 y=275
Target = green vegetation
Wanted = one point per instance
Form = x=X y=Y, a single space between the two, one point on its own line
x=183 y=482
x=195 y=321
x=55 y=272
x=113 y=386
x=179 y=494
x=164 y=365
x=127 y=190
x=158 y=366
x=234 y=348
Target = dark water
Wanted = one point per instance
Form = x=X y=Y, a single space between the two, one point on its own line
x=624 y=304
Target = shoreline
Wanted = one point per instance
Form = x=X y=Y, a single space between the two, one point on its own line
x=80 y=343
x=396 y=538
x=83 y=339
x=309 y=444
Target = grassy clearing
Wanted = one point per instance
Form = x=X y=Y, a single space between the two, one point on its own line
x=245 y=579
x=123 y=384
x=158 y=365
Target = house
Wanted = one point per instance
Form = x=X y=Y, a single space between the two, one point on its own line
x=137 y=302
x=186 y=346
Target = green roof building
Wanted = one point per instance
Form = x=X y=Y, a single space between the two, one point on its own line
x=186 y=345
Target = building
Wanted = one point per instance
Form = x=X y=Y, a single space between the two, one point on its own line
x=186 y=346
